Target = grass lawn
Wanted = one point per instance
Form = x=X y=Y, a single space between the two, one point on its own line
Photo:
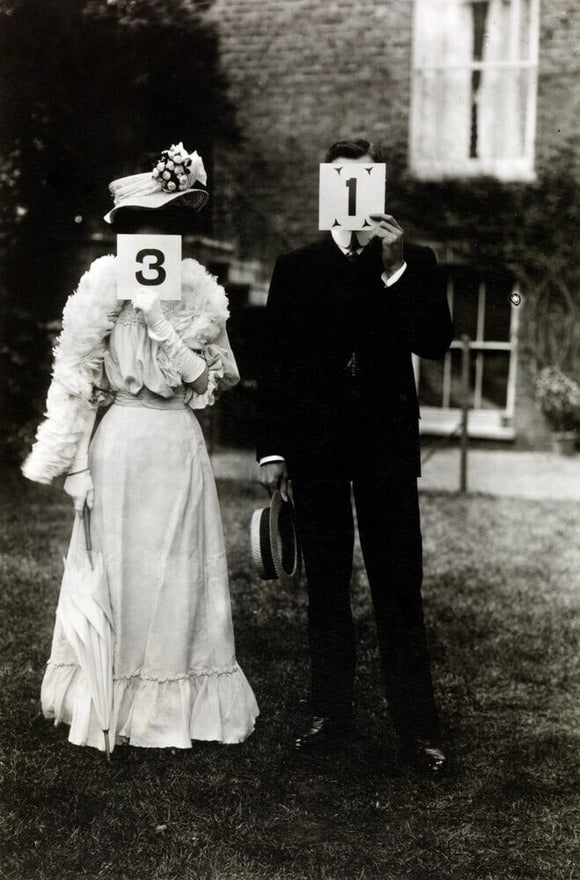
x=501 y=596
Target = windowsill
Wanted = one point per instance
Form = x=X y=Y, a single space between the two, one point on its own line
x=507 y=170
x=482 y=424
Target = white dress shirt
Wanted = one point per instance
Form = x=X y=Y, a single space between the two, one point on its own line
x=342 y=240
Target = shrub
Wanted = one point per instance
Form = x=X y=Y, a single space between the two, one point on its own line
x=559 y=397
x=25 y=361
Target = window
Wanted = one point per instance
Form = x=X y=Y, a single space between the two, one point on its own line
x=474 y=83
x=482 y=308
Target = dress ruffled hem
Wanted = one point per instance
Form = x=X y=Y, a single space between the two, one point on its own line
x=154 y=712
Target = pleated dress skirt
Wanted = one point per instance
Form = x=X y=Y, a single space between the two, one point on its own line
x=157 y=523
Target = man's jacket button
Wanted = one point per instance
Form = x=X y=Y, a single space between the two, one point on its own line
x=402 y=397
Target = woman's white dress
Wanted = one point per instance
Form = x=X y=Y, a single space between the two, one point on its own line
x=156 y=521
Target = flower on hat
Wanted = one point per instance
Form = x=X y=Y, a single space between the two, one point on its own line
x=176 y=169
x=175 y=172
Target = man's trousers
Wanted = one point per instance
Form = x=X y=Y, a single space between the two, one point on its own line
x=387 y=512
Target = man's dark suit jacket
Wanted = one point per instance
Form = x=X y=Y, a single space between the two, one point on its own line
x=314 y=406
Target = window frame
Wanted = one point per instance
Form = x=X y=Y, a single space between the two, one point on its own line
x=520 y=168
x=483 y=423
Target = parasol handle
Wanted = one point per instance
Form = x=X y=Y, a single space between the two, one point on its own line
x=87 y=528
x=107 y=746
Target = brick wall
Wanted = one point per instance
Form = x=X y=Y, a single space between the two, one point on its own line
x=558 y=119
x=304 y=73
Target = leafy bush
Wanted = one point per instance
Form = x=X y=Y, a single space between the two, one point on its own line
x=559 y=397
x=25 y=360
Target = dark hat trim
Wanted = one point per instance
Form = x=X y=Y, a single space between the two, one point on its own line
x=265 y=547
x=275 y=549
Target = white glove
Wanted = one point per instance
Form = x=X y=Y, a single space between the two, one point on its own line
x=81 y=490
x=190 y=365
x=148 y=302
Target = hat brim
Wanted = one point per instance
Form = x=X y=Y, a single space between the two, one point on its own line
x=154 y=201
x=260 y=544
x=274 y=544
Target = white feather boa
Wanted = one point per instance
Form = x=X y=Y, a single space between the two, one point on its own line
x=79 y=384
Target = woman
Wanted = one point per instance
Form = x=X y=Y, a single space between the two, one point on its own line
x=145 y=475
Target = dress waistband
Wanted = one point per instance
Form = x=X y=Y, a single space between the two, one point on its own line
x=148 y=399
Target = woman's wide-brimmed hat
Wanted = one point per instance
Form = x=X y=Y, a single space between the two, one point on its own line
x=274 y=544
x=176 y=174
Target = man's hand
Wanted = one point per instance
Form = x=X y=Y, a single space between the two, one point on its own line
x=148 y=302
x=81 y=490
x=274 y=477
x=390 y=234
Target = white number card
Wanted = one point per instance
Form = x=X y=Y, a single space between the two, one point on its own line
x=349 y=192
x=149 y=262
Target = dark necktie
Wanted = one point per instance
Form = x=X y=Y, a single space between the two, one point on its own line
x=352 y=368
x=353 y=246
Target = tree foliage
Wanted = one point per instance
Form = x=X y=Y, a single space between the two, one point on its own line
x=90 y=90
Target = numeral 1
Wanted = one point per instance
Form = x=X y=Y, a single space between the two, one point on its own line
x=351 y=186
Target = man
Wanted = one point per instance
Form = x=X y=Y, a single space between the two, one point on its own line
x=338 y=409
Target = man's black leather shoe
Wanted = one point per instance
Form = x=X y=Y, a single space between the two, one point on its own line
x=425 y=755
x=323 y=734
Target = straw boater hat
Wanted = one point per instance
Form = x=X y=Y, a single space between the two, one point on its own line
x=274 y=545
x=176 y=174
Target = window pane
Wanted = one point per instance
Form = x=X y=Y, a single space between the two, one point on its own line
x=526 y=49
x=502 y=101
x=431 y=383
x=498 y=309
x=444 y=33
x=498 y=26
x=443 y=112
x=456 y=399
x=465 y=304
x=495 y=376
x=466 y=297
x=494 y=379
